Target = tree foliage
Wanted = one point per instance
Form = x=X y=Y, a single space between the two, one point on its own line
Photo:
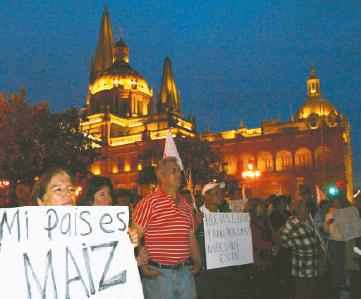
x=33 y=139
x=196 y=154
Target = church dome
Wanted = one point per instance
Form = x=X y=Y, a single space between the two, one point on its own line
x=315 y=103
x=120 y=75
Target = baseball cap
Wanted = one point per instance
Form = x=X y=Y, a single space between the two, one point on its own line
x=212 y=185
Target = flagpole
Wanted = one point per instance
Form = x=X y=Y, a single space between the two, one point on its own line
x=191 y=192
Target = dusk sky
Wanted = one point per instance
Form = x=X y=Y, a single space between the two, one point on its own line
x=231 y=60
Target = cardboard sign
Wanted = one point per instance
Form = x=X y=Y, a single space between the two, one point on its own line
x=348 y=223
x=228 y=239
x=67 y=252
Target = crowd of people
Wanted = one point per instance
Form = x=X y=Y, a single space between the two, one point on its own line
x=297 y=251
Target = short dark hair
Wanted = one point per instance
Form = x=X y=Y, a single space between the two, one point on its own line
x=94 y=185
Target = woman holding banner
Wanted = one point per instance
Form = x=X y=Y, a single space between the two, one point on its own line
x=56 y=188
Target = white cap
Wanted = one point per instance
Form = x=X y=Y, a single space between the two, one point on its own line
x=211 y=185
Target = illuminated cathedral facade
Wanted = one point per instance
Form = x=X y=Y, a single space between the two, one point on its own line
x=124 y=114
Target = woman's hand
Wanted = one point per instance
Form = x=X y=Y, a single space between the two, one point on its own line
x=149 y=272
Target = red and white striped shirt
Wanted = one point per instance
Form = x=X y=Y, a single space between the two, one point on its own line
x=166 y=227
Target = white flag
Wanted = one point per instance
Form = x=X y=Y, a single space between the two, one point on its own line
x=170 y=149
x=319 y=195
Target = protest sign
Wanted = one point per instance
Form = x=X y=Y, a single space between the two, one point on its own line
x=228 y=239
x=348 y=223
x=67 y=252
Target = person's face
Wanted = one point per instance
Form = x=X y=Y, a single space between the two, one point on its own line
x=103 y=197
x=302 y=212
x=123 y=201
x=172 y=177
x=59 y=192
x=237 y=194
x=214 y=197
x=260 y=210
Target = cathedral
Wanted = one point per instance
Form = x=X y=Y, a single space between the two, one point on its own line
x=312 y=150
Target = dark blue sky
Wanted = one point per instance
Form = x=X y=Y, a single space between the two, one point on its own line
x=231 y=60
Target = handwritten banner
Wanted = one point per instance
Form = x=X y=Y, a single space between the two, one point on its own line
x=348 y=223
x=67 y=252
x=228 y=239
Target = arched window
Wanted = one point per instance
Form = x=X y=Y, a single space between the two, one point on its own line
x=244 y=160
x=231 y=167
x=264 y=161
x=283 y=160
x=303 y=158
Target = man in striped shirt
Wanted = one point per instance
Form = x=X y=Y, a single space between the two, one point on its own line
x=165 y=220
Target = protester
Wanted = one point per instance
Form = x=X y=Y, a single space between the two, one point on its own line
x=320 y=218
x=213 y=283
x=22 y=194
x=56 y=188
x=166 y=221
x=123 y=197
x=98 y=191
x=264 y=237
x=278 y=217
x=299 y=235
x=344 y=266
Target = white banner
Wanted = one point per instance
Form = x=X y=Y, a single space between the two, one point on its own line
x=67 y=252
x=228 y=239
x=348 y=223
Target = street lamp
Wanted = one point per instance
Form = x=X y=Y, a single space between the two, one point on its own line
x=251 y=174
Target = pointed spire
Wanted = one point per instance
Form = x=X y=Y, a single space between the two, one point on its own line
x=92 y=72
x=313 y=72
x=168 y=99
x=104 y=53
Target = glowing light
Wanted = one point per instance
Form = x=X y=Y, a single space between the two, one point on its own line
x=96 y=170
x=251 y=173
x=78 y=190
x=126 y=166
x=140 y=167
x=107 y=82
x=125 y=140
x=115 y=168
x=4 y=184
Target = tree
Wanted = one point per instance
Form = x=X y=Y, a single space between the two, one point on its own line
x=33 y=139
x=196 y=154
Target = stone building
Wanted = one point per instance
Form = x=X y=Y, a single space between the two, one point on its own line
x=122 y=112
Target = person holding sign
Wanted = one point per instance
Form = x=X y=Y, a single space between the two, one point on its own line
x=56 y=188
x=98 y=192
x=212 y=283
x=166 y=221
